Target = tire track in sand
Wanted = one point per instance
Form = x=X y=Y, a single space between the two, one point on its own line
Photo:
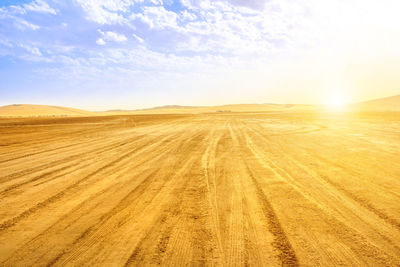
x=124 y=206
x=281 y=243
x=208 y=164
x=11 y=222
x=338 y=187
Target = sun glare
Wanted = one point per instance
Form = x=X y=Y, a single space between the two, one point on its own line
x=336 y=100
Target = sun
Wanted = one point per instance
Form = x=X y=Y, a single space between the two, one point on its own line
x=336 y=100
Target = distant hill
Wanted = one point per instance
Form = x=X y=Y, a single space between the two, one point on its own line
x=27 y=110
x=169 y=107
x=391 y=103
x=173 y=109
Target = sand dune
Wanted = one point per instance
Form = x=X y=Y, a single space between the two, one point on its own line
x=384 y=104
x=27 y=110
x=174 y=109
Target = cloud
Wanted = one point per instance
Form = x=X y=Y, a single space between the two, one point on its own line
x=200 y=36
x=100 y=41
x=157 y=2
x=22 y=24
x=255 y=4
x=33 y=50
x=12 y=14
x=157 y=17
x=187 y=16
x=40 y=6
x=106 y=11
x=110 y=36
x=6 y=43
x=139 y=39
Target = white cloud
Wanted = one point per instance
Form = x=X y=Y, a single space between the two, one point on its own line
x=22 y=24
x=139 y=39
x=255 y=4
x=12 y=14
x=157 y=2
x=109 y=36
x=157 y=17
x=15 y=10
x=219 y=35
x=113 y=36
x=186 y=3
x=33 y=50
x=40 y=6
x=100 y=41
x=107 y=11
x=187 y=16
x=6 y=43
x=228 y=27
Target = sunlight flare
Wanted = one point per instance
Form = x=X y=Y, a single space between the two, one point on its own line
x=336 y=100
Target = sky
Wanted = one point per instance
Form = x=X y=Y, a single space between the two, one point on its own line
x=128 y=54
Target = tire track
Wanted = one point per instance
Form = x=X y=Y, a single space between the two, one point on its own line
x=286 y=253
x=349 y=235
x=106 y=219
x=173 y=214
x=339 y=187
x=208 y=163
x=109 y=148
x=211 y=189
x=281 y=243
x=137 y=163
x=48 y=140
x=11 y=222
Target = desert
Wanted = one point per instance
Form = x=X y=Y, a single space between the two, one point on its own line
x=199 y=133
x=240 y=188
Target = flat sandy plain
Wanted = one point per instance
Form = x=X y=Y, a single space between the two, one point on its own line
x=232 y=189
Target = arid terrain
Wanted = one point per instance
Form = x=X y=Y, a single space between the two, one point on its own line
x=279 y=188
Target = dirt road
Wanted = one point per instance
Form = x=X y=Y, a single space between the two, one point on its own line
x=225 y=189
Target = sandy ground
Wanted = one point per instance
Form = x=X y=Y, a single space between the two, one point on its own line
x=225 y=189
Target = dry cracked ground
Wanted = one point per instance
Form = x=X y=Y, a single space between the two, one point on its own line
x=228 y=189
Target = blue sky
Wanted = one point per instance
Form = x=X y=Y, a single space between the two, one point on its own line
x=106 y=54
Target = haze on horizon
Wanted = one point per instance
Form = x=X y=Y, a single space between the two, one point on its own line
x=129 y=54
